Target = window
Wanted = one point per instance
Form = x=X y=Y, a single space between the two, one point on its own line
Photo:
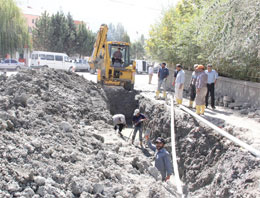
x=66 y=58
x=49 y=57
x=13 y=61
x=42 y=56
x=7 y=61
x=32 y=20
x=58 y=58
x=35 y=56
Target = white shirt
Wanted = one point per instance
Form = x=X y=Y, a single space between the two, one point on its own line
x=180 y=78
x=150 y=70
x=212 y=76
x=119 y=119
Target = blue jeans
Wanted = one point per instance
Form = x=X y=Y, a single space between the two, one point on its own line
x=137 y=128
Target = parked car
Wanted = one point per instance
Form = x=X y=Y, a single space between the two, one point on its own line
x=60 y=61
x=82 y=65
x=11 y=64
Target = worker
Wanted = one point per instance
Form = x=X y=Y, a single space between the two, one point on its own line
x=150 y=72
x=119 y=122
x=179 y=83
x=212 y=80
x=138 y=120
x=162 y=158
x=193 y=85
x=201 y=90
x=117 y=56
x=162 y=78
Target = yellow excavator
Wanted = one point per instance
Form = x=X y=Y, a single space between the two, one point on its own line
x=112 y=61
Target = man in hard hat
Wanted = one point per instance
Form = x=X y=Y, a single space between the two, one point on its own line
x=194 y=76
x=201 y=90
x=119 y=122
x=138 y=120
x=162 y=158
x=162 y=78
x=179 y=83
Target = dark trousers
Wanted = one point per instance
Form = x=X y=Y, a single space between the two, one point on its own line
x=119 y=127
x=211 y=91
x=192 y=92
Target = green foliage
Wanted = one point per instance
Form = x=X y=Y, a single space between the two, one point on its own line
x=13 y=31
x=58 y=33
x=117 y=33
x=222 y=32
x=138 y=48
x=85 y=39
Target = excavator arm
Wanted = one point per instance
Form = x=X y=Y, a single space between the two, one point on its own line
x=98 y=51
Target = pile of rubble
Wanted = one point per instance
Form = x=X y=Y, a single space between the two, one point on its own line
x=209 y=165
x=50 y=142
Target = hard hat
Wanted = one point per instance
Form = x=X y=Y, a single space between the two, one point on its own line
x=136 y=112
x=160 y=140
x=200 y=67
x=196 y=65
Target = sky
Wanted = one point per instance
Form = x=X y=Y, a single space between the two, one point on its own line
x=135 y=15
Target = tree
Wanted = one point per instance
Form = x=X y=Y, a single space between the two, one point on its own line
x=117 y=34
x=85 y=40
x=41 y=33
x=138 y=48
x=222 y=32
x=58 y=33
x=13 y=31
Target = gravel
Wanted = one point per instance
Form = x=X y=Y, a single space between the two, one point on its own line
x=53 y=131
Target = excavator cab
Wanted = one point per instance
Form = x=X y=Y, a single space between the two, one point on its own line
x=112 y=61
x=117 y=50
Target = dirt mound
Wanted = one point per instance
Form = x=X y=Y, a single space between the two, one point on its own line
x=50 y=126
x=209 y=165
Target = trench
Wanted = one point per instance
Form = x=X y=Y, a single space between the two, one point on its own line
x=209 y=165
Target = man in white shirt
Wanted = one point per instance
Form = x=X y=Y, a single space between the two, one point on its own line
x=212 y=80
x=150 y=72
x=179 y=83
x=119 y=122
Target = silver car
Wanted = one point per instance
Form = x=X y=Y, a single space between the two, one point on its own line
x=82 y=65
x=11 y=64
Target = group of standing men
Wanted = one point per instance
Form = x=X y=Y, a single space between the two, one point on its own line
x=202 y=85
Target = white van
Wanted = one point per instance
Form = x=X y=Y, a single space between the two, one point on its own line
x=53 y=60
x=141 y=66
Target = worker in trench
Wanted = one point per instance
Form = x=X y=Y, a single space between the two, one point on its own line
x=162 y=157
x=162 y=78
x=119 y=123
x=138 y=119
x=201 y=90
x=194 y=76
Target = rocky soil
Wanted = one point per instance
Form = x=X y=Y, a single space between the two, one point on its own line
x=55 y=137
x=209 y=165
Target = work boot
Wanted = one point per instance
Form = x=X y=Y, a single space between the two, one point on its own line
x=191 y=104
x=157 y=95
x=132 y=141
x=198 y=109
x=164 y=95
x=141 y=144
x=202 y=109
x=180 y=101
